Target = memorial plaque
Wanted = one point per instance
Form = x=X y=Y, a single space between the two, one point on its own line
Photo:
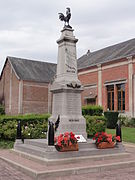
x=80 y=138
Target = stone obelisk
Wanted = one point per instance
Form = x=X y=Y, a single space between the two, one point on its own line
x=67 y=88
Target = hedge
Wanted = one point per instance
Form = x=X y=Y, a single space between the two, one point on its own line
x=24 y=118
x=2 y=110
x=33 y=126
x=112 y=118
x=95 y=124
x=92 y=110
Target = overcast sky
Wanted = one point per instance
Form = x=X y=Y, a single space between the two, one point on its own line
x=30 y=28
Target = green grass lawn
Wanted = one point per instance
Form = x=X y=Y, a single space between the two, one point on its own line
x=128 y=134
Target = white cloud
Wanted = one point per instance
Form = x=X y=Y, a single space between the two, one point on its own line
x=30 y=28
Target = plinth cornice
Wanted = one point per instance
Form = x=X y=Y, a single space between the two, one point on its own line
x=67 y=39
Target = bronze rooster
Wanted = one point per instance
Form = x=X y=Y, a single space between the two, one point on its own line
x=65 y=18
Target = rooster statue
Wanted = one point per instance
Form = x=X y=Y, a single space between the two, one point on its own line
x=66 y=18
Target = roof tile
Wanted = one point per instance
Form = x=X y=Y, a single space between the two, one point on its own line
x=38 y=71
x=107 y=54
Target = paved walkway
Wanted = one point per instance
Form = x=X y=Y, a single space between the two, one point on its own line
x=7 y=172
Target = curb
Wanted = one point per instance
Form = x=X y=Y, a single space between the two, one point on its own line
x=129 y=144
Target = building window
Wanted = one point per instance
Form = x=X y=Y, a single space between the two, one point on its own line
x=121 y=97
x=91 y=101
x=110 y=97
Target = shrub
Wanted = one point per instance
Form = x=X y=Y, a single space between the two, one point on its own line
x=122 y=120
x=92 y=110
x=132 y=122
x=127 y=121
x=34 y=131
x=33 y=126
x=112 y=118
x=2 y=110
x=9 y=130
x=95 y=124
x=6 y=144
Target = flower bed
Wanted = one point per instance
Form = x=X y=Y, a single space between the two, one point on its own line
x=104 y=140
x=66 y=142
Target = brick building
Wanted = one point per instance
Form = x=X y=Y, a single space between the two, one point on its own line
x=108 y=76
x=24 y=86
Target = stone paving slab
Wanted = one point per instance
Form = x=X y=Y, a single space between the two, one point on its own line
x=7 y=172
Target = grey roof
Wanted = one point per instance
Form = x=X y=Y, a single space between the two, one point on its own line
x=38 y=71
x=107 y=54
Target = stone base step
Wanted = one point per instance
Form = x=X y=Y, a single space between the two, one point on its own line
x=43 y=143
x=50 y=152
x=36 y=142
x=83 y=170
x=40 y=171
x=68 y=160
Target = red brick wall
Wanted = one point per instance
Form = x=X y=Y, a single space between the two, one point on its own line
x=35 y=97
x=109 y=74
x=87 y=92
x=91 y=79
x=115 y=73
x=1 y=89
x=11 y=104
x=15 y=94
x=6 y=84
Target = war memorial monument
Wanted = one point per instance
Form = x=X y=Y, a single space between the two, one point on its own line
x=66 y=89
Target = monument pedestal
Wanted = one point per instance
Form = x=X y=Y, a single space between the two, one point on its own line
x=67 y=104
x=67 y=88
x=18 y=142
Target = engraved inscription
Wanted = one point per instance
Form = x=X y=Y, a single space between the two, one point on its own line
x=75 y=128
x=73 y=120
x=70 y=61
x=57 y=103
x=73 y=105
